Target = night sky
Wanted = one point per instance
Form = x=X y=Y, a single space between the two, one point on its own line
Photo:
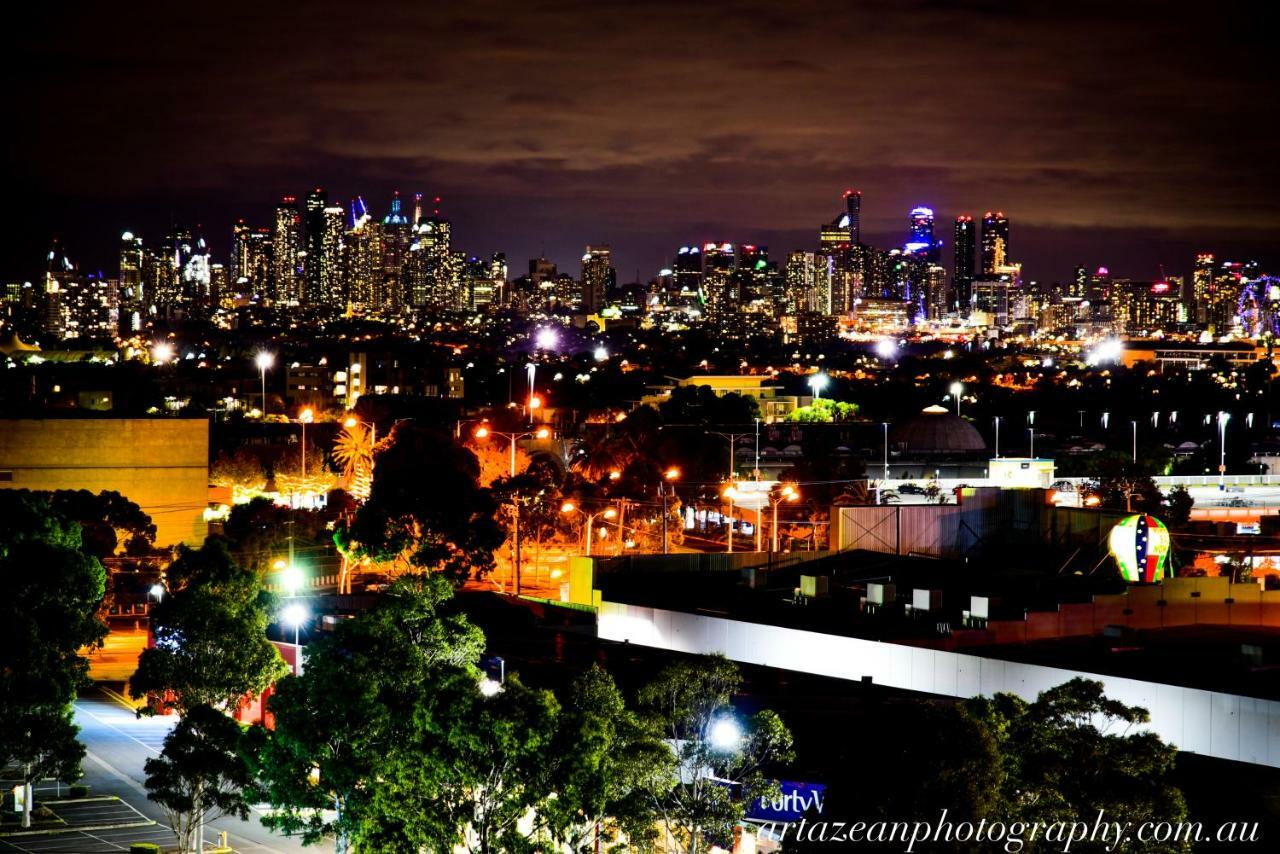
x=1125 y=134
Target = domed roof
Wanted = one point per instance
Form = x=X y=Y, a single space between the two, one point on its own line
x=936 y=430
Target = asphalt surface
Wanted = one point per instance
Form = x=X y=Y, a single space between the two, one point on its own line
x=117 y=744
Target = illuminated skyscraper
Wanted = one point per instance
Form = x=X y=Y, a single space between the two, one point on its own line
x=995 y=242
x=333 y=293
x=397 y=236
x=433 y=279
x=966 y=245
x=286 y=246
x=718 y=263
x=598 y=278
x=132 y=300
x=920 y=240
x=314 y=290
x=853 y=209
x=251 y=261
x=686 y=274
x=363 y=257
x=1202 y=286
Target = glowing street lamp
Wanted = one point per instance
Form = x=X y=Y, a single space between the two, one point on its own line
x=670 y=476
x=588 y=521
x=264 y=360
x=295 y=614
x=818 y=382
x=291 y=578
x=956 y=390
x=483 y=432
x=161 y=352
x=725 y=734
x=305 y=417
x=157 y=591
x=731 y=494
x=787 y=493
x=1223 y=418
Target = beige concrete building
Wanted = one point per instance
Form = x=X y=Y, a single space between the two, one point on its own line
x=161 y=464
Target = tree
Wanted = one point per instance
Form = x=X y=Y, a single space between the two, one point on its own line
x=337 y=723
x=467 y=770
x=1062 y=761
x=824 y=411
x=427 y=508
x=1178 y=504
x=1122 y=485
x=200 y=775
x=699 y=404
x=240 y=472
x=258 y=532
x=609 y=766
x=211 y=646
x=49 y=613
x=722 y=763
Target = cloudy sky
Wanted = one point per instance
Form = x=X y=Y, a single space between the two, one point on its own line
x=1125 y=133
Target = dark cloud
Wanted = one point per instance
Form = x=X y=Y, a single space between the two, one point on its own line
x=1126 y=134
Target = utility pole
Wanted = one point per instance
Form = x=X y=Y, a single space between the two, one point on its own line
x=733 y=441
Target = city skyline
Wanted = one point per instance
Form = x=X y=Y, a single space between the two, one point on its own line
x=714 y=123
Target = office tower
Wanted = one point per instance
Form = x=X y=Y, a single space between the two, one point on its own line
x=333 y=295
x=807 y=286
x=1202 y=286
x=363 y=261
x=287 y=253
x=240 y=250
x=995 y=242
x=251 y=262
x=937 y=298
x=130 y=280
x=397 y=236
x=195 y=275
x=920 y=239
x=966 y=244
x=686 y=274
x=219 y=284
x=718 y=263
x=853 y=210
x=598 y=278
x=1079 y=283
x=433 y=279
x=313 y=226
x=58 y=271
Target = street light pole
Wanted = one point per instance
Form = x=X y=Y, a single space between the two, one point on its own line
x=885 y=424
x=997 y=437
x=1135 y=442
x=1031 y=431
x=1223 y=418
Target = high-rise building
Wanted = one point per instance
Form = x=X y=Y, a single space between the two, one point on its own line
x=287 y=253
x=333 y=294
x=314 y=290
x=966 y=244
x=1202 y=286
x=995 y=242
x=433 y=279
x=718 y=264
x=808 y=283
x=853 y=210
x=363 y=260
x=251 y=261
x=920 y=240
x=937 y=298
x=598 y=278
x=397 y=236
x=686 y=274
x=132 y=299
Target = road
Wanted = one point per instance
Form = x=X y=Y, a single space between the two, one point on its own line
x=117 y=744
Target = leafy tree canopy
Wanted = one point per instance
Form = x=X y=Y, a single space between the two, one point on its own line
x=211 y=646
